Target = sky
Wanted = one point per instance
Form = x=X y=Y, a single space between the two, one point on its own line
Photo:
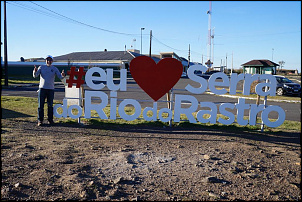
x=241 y=30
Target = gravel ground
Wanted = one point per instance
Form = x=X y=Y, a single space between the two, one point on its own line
x=82 y=162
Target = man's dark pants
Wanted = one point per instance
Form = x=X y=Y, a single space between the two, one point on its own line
x=43 y=94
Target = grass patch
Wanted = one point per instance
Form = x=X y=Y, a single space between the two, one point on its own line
x=17 y=79
x=20 y=104
x=25 y=105
x=29 y=106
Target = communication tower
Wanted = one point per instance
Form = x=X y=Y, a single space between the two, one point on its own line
x=209 y=62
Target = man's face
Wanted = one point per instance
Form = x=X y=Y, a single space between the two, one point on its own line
x=48 y=61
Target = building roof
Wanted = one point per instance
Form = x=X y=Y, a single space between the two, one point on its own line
x=105 y=55
x=169 y=54
x=97 y=55
x=185 y=61
x=260 y=63
x=100 y=56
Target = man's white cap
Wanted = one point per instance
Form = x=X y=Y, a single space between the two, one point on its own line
x=49 y=56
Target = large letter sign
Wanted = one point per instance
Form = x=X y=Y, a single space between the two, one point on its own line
x=158 y=79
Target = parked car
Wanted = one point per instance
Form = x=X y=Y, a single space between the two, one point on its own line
x=286 y=86
x=198 y=73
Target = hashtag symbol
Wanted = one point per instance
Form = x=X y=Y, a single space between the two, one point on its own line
x=72 y=73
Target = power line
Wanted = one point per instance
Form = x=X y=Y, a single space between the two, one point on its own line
x=20 y=5
x=53 y=14
x=63 y=17
x=166 y=44
x=172 y=47
x=106 y=30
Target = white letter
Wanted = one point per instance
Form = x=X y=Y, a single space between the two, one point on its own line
x=212 y=112
x=271 y=85
x=187 y=111
x=137 y=108
x=75 y=116
x=241 y=106
x=97 y=107
x=234 y=81
x=248 y=80
x=253 y=113
x=198 y=79
x=123 y=80
x=64 y=108
x=154 y=113
x=89 y=78
x=281 y=116
x=213 y=83
x=165 y=110
x=113 y=100
x=226 y=113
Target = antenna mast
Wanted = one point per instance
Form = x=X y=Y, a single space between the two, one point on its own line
x=209 y=63
x=212 y=37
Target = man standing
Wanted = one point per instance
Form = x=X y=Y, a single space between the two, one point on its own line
x=46 y=88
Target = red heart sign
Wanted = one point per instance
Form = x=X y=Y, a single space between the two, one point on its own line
x=155 y=79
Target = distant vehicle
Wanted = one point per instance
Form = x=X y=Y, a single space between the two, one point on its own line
x=286 y=86
x=197 y=72
x=184 y=74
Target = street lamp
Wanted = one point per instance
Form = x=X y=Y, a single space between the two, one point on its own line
x=142 y=39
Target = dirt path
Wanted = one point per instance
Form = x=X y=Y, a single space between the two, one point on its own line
x=74 y=162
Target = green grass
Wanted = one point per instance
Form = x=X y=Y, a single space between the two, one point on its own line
x=16 y=79
x=29 y=106
x=24 y=105
x=20 y=104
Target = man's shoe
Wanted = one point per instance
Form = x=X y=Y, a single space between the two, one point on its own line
x=51 y=122
x=39 y=123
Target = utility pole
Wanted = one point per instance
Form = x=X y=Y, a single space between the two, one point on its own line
x=188 y=58
x=209 y=63
x=142 y=39
x=232 y=64
x=150 y=43
x=226 y=62
x=5 y=48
